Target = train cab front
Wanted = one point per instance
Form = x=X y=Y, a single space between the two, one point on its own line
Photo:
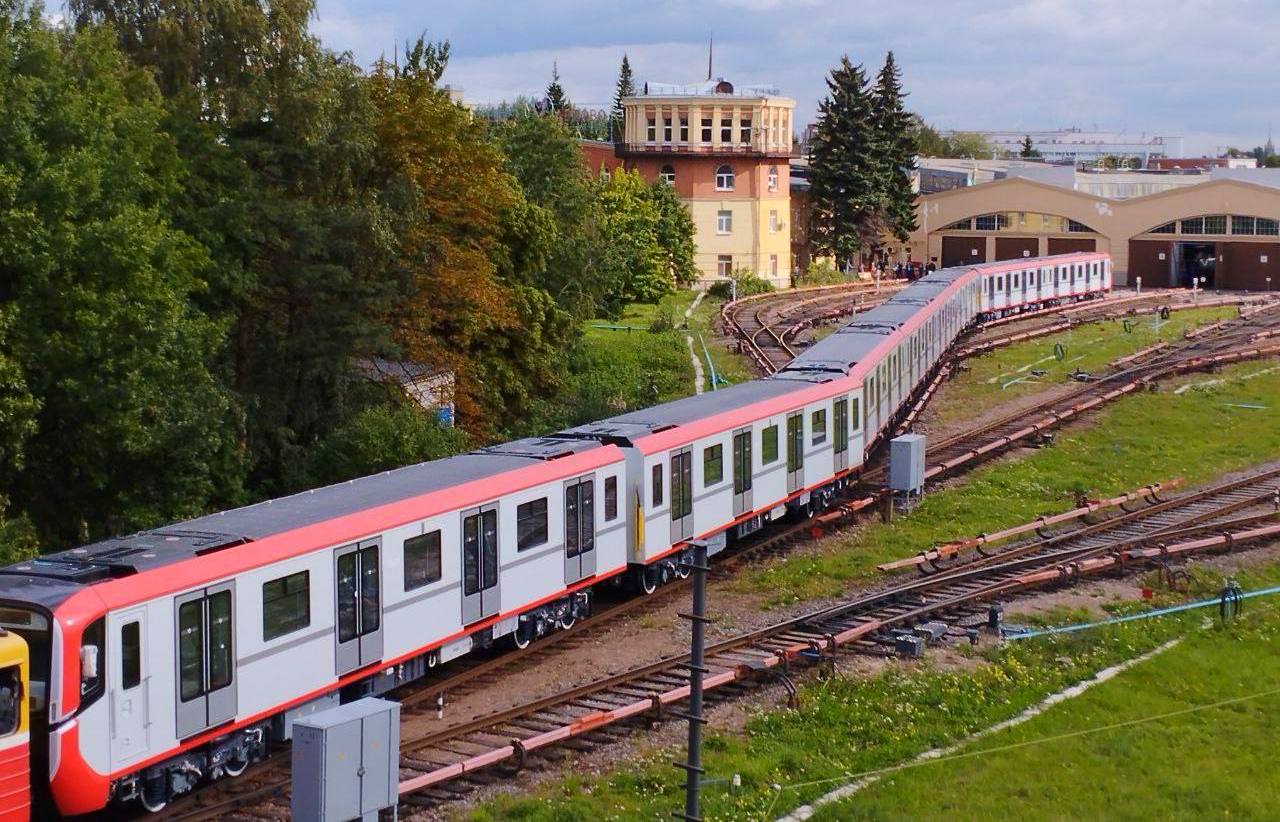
x=15 y=735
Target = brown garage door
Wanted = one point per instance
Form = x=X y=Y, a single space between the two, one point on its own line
x=1072 y=245
x=1246 y=266
x=1015 y=248
x=963 y=251
x=1145 y=262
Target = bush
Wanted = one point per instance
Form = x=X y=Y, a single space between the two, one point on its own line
x=820 y=272
x=747 y=284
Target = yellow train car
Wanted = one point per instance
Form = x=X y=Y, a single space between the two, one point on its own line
x=15 y=733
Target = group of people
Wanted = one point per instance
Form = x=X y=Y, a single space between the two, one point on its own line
x=910 y=270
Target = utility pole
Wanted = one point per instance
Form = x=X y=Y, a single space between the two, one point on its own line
x=692 y=765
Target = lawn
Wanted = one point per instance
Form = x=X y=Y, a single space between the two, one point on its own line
x=850 y=725
x=1139 y=439
x=1007 y=373
x=1177 y=761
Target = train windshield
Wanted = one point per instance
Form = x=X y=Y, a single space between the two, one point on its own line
x=32 y=626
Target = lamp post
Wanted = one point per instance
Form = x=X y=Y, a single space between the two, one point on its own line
x=692 y=765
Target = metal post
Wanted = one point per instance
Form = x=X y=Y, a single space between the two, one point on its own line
x=698 y=618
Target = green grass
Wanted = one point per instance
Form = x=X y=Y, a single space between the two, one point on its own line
x=1004 y=374
x=1137 y=440
x=1212 y=763
x=850 y=725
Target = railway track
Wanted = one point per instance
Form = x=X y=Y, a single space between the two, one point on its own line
x=1231 y=342
x=767 y=324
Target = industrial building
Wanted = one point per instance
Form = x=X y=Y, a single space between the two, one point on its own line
x=1074 y=145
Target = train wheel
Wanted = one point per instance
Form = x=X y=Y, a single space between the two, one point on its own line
x=646 y=581
x=234 y=767
x=684 y=567
x=522 y=635
x=568 y=621
x=151 y=807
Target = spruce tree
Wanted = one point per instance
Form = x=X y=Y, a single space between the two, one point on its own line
x=846 y=194
x=1028 y=148
x=555 y=92
x=626 y=88
x=896 y=139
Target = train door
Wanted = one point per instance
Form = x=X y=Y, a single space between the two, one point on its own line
x=480 y=589
x=795 y=451
x=206 y=658
x=840 y=418
x=579 y=529
x=359 y=596
x=681 y=495
x=742 y=501
x=130 y=685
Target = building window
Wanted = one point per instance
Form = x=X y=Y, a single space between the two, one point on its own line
x=726 y=129
x=712 y=465
x=1078 y=228
x=668 y=175
x=1193 y=226
x=773 y=178
x=531 y=524
x=773 y=266
x=652 y=130
x=744 y=131
x=1242 y=225
x=706 y=129
x=656 y=495
x=724 y=222
x=286 y=605
x=1270 y=228
x=1216 y=224
x=684 y=129
x=991 y=222
x=666 y=130
x=724 y=266
x=773 y=221
x=769 y=445
x=610 y=499
x=422 y=560
x=1167 y=228
x=960 y=225
x=724 y=178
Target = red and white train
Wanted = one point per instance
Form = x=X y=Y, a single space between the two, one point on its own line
x=177 y=655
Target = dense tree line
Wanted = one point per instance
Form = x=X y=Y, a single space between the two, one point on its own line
x=206 y=217
x=861 y=157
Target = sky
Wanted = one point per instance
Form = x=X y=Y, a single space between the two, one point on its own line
x=1204 y=70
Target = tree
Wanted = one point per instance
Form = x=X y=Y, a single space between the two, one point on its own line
x=968 y=144
x=635 y=264
x=626 y=87
x=425 y=60
x=929 y=143
x=845 y=189
x=896 y=143
x=674 y=233
x=130 y=426
x=1028 y=149
x=381 y=438
x=556 y=97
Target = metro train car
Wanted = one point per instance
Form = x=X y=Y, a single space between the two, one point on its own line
x=15 y=736
x=179 y=655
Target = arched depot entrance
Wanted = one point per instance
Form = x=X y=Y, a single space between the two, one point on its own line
x=1213 y=251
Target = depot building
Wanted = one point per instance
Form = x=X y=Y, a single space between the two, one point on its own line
x=1220 y=228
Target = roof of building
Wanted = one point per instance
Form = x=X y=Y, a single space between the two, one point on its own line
x=719 y=87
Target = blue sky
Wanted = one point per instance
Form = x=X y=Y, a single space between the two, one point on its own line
x=1206 y=71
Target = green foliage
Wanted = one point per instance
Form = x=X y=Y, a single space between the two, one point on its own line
x=626 y=87
x=132 y=428
x=556 y=98
x=820 y=272
x=896 y=144
x=1028 y=150
x=968 y=144
x=633 y=229
x=846 y=176
x=742 y=282
x=381 y=438
x=674 y=234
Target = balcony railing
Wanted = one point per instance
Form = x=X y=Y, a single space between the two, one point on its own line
x=745 y=149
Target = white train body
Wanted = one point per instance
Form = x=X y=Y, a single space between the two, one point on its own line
x=174 y=655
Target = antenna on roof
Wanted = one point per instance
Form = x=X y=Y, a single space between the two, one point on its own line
x=711 y=41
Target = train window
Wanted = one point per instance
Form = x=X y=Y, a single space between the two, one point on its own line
x=712 y=465
x=130 y=655
x=840 y=416
x=610 y=499
x=531 y=524
x=769 y=445
x=422 y=560
x=10 y=699
x=220 y=662
x=854 y=415
x=190 y=650
x=818 y=421
x=92 y=644
x=656 y=496
x=286 y=605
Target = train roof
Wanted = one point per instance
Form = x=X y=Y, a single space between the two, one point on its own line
x=50 y=578
x=635 y=424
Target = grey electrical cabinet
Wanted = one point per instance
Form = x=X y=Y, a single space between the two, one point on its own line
x=906 y=463
x=346 y=762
